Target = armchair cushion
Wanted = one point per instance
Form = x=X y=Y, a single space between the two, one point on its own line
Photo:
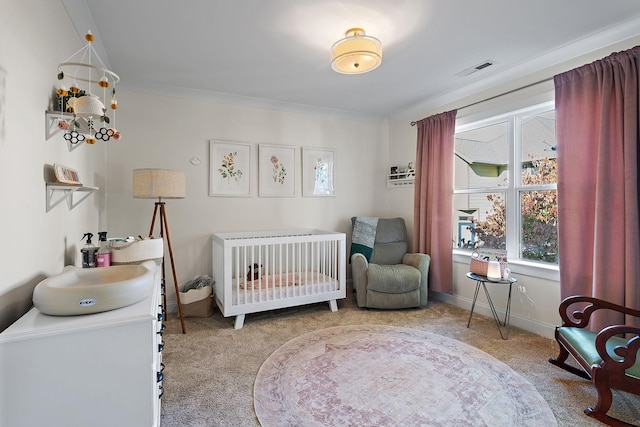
x=393 y=279
x=391 y=242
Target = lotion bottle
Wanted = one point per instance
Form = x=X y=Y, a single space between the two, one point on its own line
x=104 y=252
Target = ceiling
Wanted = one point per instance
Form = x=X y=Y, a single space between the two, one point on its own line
x=277 y=51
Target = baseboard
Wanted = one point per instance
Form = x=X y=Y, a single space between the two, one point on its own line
x=531 y=325
x=172 y=307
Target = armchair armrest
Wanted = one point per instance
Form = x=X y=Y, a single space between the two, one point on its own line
x=359 y=265
x=580 y=318
x=421 y=262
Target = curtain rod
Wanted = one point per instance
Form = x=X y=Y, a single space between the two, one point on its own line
x=502 y=94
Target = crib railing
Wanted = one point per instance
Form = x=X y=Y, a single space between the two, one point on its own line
x=264 y=267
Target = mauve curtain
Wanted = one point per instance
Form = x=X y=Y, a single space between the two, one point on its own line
x=433 y=200
x=598 y=220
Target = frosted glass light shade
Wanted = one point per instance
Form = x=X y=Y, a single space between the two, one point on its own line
x=88 y=106
x=158 y=183
x=493 y=271
x=356 y=53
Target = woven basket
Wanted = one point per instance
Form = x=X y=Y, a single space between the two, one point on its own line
x=479 y=265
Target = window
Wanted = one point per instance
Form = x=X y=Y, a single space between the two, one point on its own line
x=505 y=185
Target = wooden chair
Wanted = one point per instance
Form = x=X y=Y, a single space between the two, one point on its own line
x=607 y=359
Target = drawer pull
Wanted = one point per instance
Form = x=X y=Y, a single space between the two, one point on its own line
x=161 y=367
x=161 y=391
x=163 y=327
x=160 y=347
x=160 y=376
x=160 y=317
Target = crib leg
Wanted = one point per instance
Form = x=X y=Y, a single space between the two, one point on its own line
x=333 y=305
x=237 y=324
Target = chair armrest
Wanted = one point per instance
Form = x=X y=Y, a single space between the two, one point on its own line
x=580 y=318
x=628 y=352
x=359 y=265
x=421 y=262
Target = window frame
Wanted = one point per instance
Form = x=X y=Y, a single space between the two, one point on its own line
x=513 y=192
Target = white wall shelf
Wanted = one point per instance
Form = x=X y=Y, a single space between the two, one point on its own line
x=68 y=193
x=400 y=179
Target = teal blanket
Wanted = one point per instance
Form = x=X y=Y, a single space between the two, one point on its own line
x=364 y=236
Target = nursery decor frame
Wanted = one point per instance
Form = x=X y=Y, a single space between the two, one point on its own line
x=276 y=170
x=230 y=169
x=318 y=166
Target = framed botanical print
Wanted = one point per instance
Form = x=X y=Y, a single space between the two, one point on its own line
x=276 y=171
x=230 y=169
x=317 y=172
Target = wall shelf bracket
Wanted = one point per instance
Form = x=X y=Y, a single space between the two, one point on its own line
x=58 y=193
x=51 y=128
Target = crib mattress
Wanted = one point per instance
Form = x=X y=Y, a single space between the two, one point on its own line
x=305 y=283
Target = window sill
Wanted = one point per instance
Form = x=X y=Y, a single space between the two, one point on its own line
x=527 y=268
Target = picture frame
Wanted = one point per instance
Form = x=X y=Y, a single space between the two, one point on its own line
x=229 y=169
x=318 y=170
x=276 y=171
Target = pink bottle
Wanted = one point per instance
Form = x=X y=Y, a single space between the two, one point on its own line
x=104 y=253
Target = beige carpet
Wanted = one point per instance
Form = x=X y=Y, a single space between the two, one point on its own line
x=374 y=375
x=210 y=371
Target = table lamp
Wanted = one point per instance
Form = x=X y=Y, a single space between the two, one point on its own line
x=493 y=271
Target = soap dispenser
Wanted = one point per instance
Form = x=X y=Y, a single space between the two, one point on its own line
x=104 y=252
x=88 y=252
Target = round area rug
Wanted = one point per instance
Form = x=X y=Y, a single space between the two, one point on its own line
x=391 y=376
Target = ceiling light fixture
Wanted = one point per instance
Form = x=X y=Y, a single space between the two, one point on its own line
x=357 y=53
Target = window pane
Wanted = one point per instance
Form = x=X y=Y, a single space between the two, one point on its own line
x=479 y=220
x=539 y=219
x=539 y=149
x=482 y=156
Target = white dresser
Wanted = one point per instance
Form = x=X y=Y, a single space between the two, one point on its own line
x=101 y=369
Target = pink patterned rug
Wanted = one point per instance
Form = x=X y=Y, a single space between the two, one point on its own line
x=391 y=376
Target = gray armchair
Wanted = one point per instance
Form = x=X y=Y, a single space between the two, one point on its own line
x=392 y=278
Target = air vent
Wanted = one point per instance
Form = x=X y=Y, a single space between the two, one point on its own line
x=475 y=68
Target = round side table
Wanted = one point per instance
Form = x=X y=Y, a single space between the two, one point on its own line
x=482 y=281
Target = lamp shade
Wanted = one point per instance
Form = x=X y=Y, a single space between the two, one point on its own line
x=158 y=183
x=88 y=106
x=494 y=273
x=356 y=53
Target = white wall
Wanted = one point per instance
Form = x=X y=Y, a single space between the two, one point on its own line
x=34 y=37
x=166 y=132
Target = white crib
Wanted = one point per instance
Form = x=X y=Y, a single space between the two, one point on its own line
x=294 y=267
